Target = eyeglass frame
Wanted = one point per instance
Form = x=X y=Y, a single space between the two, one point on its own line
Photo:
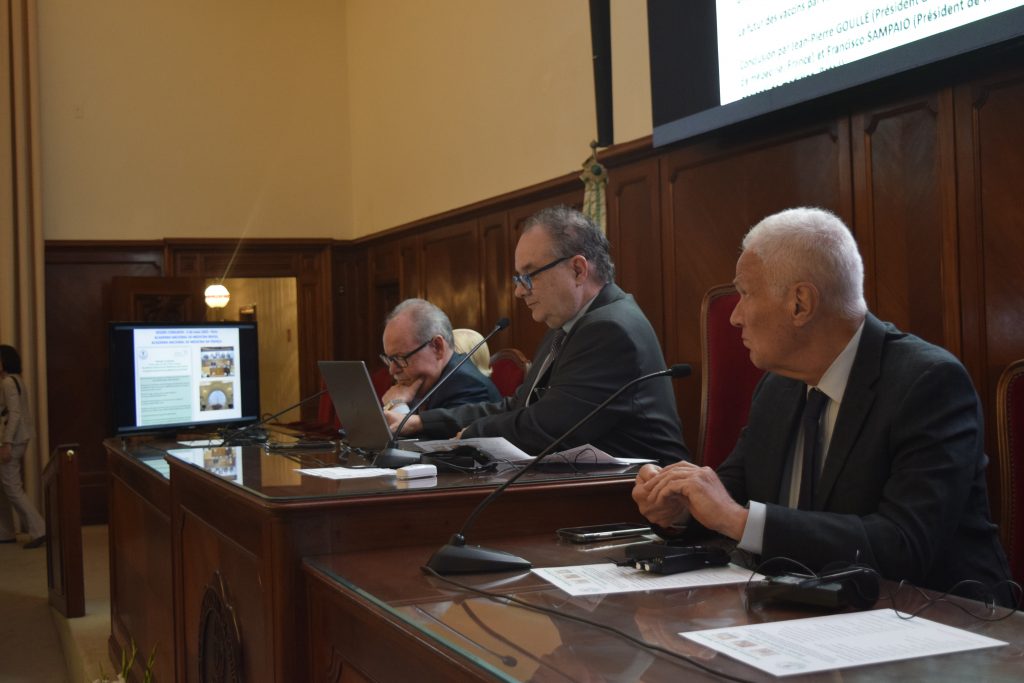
x=402 y=359
x=526 y=279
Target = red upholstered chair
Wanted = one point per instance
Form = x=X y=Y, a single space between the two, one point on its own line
x=728 y=377
x=1010 y=436
x=381 y=379
x=326 y=416
x=508 y=368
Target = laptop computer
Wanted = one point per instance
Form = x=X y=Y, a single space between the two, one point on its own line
x=359 y=411
x=355 y=402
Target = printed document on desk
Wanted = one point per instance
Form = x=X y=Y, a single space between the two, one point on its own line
x=501 y=449
x=600 y=579
x=837 y=641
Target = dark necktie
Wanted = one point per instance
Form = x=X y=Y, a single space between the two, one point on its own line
x=556 y=345
x=811 y=421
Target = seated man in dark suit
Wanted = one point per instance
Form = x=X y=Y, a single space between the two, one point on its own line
x=598 y=340
x=890 y=470
x=419 y=350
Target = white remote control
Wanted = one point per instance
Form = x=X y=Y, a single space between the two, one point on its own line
x=416 y=471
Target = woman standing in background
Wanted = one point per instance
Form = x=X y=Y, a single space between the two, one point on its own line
x=15 y=433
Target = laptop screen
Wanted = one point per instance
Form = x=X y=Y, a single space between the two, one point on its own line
x=355 y=402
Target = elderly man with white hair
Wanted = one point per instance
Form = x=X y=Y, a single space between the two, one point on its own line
x=864 y=444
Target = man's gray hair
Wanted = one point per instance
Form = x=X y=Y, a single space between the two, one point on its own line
x=429 y=321
x=812 y=245
x=573 y=233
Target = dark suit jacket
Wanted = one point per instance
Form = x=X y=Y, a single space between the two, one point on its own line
x=610 y=345
x=903 y=483
x=467 y=385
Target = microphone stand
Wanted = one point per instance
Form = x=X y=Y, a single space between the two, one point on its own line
x=458 y=558
x=393 y=457
x=231 y=437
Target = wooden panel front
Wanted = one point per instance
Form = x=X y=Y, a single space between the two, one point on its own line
x=989 y=137
x=78 y=280
x=451 y=274
x=711 y=198
x=141 y=586
x=906 y=215
x=634 y=231
x=256 y=547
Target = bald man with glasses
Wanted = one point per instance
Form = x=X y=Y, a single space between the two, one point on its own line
x=598 y=340
x=418 y=351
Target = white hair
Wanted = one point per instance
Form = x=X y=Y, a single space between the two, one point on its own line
x=812 y=245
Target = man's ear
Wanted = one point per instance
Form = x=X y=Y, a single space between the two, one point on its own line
x=805 y=301
x=580 y=268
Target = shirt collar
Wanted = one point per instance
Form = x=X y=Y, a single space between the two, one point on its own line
x=833 y=382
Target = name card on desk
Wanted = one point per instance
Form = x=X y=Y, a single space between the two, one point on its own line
x=838 y=641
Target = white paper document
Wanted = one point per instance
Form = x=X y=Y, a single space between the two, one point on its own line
x=348 y=472
x=596 y=579
x=500 y=448
x=838 y=641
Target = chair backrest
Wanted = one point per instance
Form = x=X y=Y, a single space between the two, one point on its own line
x=1010 y=459
x=381 y=379
x=508 y=369
x=728 y=377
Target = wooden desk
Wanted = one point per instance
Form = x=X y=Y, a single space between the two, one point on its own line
x=374 y=616
x=181 y=527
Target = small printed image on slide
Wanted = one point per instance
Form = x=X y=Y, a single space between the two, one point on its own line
x=217 y=361
x=216 y=396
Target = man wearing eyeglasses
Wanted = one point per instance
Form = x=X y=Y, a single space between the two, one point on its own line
x=598 y=340
x=418 y=352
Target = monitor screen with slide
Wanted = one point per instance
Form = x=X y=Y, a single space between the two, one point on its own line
x=180 y=376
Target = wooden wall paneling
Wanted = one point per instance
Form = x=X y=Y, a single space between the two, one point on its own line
x=78 y=277
x=526 y=334
x=411 y=277
x=353 y=334
x=495 y=258
x=634 y=231
x=990 y=165
x=140 y=574
x=905 y=189
x=385 y=290
x=452 y=273
x=712 y=195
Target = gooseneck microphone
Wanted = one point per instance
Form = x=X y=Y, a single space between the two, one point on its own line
x=458 y=558
x=394 y=457
x=239 y=437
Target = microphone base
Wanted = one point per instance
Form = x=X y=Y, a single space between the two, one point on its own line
x=393 y=458
x=473 y=559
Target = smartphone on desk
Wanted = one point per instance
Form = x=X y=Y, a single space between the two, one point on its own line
x=602 y=532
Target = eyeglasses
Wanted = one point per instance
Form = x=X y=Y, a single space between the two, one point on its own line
x=402 y=360
x=526 y=279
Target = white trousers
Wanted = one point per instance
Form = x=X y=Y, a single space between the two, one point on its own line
x=12 y=495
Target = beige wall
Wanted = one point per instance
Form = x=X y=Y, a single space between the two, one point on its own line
x=314 y=118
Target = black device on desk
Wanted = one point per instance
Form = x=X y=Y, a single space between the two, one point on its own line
x=663 y=558
x=602 y=532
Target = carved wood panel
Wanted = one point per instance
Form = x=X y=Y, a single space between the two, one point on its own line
x=634 y=231
x=904 y=179
x=989 y=140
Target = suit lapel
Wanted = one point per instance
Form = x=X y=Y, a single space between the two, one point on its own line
x=856 y=405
